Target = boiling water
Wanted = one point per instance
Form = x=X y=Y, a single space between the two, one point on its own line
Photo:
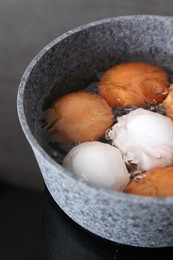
x=84 y=77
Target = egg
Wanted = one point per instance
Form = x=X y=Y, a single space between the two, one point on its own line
x=168 y=103
x=79 y=117
x=144 y=138
x=133 y=84
x=99 y=164
x=156 y=182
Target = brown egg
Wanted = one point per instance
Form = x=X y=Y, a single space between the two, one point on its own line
x=168 y=103
x=79 y=117
x=133 y=84
x=157 y=182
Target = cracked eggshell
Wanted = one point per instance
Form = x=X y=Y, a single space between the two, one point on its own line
x=99 y=164
x=145 y=139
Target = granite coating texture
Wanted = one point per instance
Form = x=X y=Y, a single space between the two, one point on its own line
x=67 y=240
x=119 y=217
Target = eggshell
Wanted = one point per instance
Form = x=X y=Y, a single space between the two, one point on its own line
x=168 y=103
x=156 y=182
x=79 y=117
x=133 y=84
x=144 y=138
x=99 y=164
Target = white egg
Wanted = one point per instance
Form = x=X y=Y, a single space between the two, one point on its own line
x=98 y=163
x=144 y=138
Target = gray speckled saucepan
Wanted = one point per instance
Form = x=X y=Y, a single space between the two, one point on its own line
x=126 y=219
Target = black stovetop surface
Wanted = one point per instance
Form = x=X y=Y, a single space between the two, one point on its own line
x=66 y=240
